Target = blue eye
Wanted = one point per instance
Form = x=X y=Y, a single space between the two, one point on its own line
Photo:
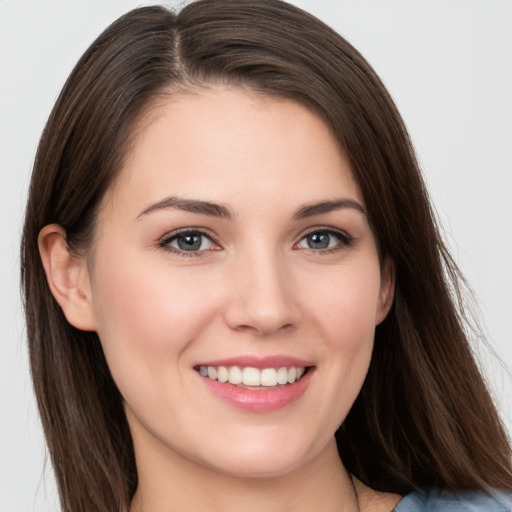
x=323 y=239
x=188 y=242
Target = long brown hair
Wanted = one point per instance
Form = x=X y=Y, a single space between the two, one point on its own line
x=424 y=416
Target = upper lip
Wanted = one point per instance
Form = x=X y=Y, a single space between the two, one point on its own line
x=277 y=361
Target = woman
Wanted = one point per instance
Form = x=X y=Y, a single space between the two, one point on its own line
x=228 y=253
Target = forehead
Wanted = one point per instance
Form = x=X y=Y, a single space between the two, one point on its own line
x=214 y=143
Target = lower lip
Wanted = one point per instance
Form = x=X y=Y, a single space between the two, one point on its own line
x=259 y=400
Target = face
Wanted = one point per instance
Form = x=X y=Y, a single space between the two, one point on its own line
x=235 y=284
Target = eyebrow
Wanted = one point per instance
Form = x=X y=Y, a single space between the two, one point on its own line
x=190 y=205
x=326 y=207
x=219 y=210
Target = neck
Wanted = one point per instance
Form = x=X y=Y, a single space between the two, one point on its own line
x=177 y=484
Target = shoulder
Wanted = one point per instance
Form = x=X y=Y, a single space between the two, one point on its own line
x=432 y=500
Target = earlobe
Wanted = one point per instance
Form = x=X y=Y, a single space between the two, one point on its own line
x=387 y=290
x=68 y=278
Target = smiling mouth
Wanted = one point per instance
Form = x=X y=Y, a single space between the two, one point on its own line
x=253 y=378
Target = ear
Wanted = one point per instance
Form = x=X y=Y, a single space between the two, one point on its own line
x=387 y=290
x=68 y=278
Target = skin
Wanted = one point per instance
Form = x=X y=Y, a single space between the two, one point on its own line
x=255 y=287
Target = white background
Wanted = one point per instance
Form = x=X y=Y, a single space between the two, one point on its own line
x=447 y=63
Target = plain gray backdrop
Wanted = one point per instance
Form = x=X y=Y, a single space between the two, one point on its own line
x=447 y=63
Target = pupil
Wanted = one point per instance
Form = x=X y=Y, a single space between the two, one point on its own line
x=189 y=242
x=318 y=241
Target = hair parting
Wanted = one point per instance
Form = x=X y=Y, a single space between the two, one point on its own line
x=419 y=419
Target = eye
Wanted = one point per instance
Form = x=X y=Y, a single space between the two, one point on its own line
x=189 y=241
x=324 y=239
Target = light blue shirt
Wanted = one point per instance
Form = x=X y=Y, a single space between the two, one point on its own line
x=432 y=500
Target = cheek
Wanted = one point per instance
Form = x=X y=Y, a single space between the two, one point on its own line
x=346 y=306
x=346 y=317
x=146 y=313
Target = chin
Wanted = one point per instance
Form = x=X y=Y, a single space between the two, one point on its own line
x=260 y=469
x=261 y=459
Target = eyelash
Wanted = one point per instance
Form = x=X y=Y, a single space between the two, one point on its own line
x=345 y=240
x=164 y=243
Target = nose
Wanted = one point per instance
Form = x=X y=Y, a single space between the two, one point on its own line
x=261 y=299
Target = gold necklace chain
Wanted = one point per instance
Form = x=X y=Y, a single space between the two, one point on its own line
x=356 y=494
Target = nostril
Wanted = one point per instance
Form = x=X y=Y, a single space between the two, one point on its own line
x=261 y=301
x=263 y=329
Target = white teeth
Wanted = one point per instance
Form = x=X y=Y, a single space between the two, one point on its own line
x=268 y=377
x=251 y=376
x=248 y=376
x=235 y=375
x=282 y=376
x=222 y=374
